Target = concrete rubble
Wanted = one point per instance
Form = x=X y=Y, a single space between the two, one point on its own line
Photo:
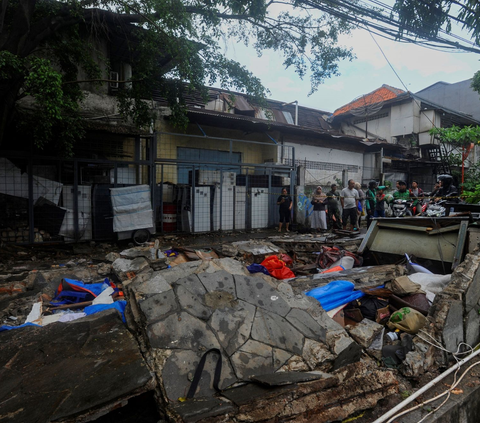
x=282 y=357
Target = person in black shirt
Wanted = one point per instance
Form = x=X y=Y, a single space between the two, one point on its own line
x=285 y=202
x=334 y=218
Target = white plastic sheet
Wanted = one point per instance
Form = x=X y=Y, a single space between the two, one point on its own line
x=14 y=182
x=132 y=208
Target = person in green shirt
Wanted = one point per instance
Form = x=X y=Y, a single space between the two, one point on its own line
x=402 y=193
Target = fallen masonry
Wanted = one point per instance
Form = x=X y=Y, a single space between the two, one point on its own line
x=270 y=352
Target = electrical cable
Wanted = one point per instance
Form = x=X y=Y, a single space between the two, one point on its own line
x=394 y=411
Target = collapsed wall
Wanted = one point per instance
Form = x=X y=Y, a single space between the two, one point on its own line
x=281 y=355
x=453 y=320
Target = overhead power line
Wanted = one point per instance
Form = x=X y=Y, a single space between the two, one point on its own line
x=381 y=19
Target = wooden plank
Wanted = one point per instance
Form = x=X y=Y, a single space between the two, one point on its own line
x=402 y=226
x=369 y=236
x=462 y=237
x=445 y=229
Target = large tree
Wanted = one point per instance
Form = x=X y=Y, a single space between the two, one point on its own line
x=175 y=47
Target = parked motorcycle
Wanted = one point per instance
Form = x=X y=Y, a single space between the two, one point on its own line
x=435 y=210
x=401 y=208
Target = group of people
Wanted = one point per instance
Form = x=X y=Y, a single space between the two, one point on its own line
x=356 y=200
x=326 y=207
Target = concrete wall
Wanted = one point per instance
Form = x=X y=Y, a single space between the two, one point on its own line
x=459 y=97
x=324 y=165
x=453 y=318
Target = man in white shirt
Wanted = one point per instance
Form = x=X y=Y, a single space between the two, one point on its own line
x=349 y=198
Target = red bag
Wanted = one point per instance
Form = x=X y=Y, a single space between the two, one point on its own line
x=286 y=258
x=277 y=268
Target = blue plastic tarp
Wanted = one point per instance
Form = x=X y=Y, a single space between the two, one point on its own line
x=118 y=305
x=335 y=294
x=6 y=327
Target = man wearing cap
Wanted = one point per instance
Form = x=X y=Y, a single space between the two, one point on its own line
x=402 y=193
x=333 y=212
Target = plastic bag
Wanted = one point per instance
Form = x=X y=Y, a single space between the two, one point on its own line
x=277 y=268
x=407 y=320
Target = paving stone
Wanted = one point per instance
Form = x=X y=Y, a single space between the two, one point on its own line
x=191 y=283
x=153 y=283
x=365 y=332
x=233 y=326
x=307 y=325
x=300 y=301
x=192 y=303
x=316 y=354
x=274 y=330
x=234 y=267
x=157 y=306
x=181 y=271
x=280 y=357
x=220 y=299
x=181 y=331
x=179 y=368
x=256 y=291
x=253 y=358
x=218 y=281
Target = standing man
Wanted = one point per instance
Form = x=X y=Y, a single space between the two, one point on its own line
x=370 y=201
x=285 y=202
x=333 y=212
x=349 y=198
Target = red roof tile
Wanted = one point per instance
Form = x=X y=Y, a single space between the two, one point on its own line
x=384 y=93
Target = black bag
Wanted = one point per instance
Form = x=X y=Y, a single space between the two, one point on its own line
x=369 y=306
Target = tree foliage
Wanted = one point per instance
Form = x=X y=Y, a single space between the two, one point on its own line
x=177 y=46
x=460 y=138
x=174 y=46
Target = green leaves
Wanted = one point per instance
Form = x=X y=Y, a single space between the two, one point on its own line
x=457 y=136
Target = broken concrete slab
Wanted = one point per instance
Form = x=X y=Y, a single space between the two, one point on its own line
x=243 y=315
x=365 y=332
x=127 y=269
x=254 y=251
x=360 y=276
x=76 y=369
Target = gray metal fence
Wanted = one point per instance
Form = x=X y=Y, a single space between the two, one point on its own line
x=48 y=199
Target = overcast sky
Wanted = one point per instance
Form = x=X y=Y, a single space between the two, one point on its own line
x=418 y=67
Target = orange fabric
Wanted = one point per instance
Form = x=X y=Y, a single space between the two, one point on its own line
x=277 y=268
x=333 y=269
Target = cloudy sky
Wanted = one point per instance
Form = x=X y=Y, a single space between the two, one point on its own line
x=418 y=68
